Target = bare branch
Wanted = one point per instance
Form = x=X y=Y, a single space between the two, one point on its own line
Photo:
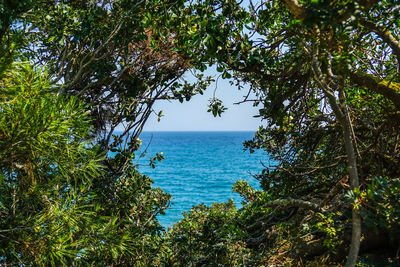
x=304 y=204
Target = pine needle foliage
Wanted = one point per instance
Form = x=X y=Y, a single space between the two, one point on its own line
x=54 y=206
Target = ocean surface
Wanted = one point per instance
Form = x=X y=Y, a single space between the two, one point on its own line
x=199 y=167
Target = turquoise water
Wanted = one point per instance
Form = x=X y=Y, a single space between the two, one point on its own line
x=199 y=167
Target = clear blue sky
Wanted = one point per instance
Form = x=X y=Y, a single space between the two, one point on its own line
x=193 y=115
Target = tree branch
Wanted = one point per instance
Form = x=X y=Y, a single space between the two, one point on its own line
x=390 y=91
x=297 y=10
x=296 y=203
x=300 y=12
x=385 y=35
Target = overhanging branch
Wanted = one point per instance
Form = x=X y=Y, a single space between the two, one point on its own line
x=386 y=36
x=389 y=91
x=297 y=10
x=300 y=12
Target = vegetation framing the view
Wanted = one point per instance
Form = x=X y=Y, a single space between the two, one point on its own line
x=324 y=75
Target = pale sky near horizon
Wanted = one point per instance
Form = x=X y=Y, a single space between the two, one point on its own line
x=193 y=115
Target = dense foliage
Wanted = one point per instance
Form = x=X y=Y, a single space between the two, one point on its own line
x=324 y=74
x=53 y=203
x=64 y=198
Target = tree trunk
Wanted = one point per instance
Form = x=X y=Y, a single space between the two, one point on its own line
x=341 y=112
x=354 y=182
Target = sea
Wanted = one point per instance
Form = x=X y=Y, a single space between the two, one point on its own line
x=199 y=167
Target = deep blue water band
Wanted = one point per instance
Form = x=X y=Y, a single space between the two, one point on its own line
x=200 y=167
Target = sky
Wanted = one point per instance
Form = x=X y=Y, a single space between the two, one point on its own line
x=193 y=115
